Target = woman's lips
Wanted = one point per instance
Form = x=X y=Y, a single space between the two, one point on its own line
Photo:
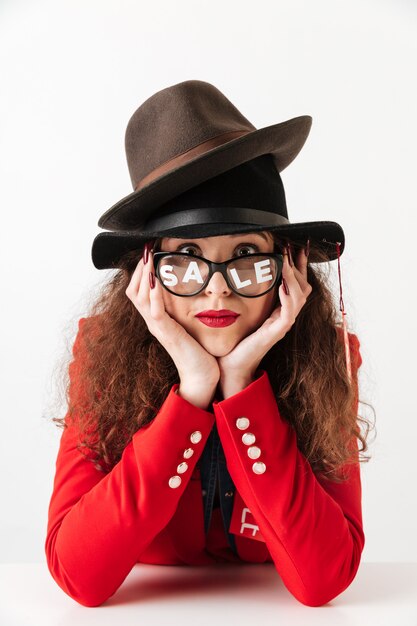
x=217 y=322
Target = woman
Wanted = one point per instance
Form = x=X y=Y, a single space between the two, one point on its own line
x=213 y=394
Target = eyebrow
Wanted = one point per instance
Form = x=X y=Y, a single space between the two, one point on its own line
x=241 y=235
x=244 y=234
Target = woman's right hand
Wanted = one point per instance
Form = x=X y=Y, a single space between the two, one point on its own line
x=198 y=370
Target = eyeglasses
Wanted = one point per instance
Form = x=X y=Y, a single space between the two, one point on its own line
x=250 y=276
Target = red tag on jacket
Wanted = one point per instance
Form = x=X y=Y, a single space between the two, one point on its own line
x=243 y=523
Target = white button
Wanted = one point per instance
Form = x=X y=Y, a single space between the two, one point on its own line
x=196 y=436
x=182 y=467
x=248 y=439
x=254 y=452
x=174 y=481
x=259 y=467
x=242 y=423
x=188 y=453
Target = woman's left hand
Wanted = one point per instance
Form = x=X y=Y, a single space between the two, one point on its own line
x=240 y=365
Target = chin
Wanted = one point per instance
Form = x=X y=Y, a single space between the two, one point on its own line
x=219 y=348
x=217 y=353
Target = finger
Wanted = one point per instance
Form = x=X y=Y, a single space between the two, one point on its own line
x=293 y=302
x=299 y=259
x=142 y=297
x=289 y=273
x=297 y=283
x=301 y=263
x=157 y=304
x=287 y=310
x=150 y=300
x=301 y=272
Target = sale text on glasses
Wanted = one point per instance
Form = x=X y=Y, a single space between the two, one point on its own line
x=245 y=271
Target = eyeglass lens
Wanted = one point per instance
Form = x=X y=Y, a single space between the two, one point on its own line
x=250 y=276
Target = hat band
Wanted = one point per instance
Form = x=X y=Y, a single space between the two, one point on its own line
x=225 y=215
x=189 y=155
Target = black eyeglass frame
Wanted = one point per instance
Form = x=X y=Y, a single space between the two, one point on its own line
x=218 y=267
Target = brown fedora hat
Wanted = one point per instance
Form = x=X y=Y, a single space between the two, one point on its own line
x=186 y=134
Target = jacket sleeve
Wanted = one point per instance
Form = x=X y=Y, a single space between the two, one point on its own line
x=312 y=527
x=98 y=524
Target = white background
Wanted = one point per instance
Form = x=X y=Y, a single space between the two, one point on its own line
x=72 y=74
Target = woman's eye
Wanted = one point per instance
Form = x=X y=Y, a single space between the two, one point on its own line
x=185 y=248
x=252 y=249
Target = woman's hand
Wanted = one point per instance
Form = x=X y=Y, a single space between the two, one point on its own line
x=198 y=370
x=238 y=367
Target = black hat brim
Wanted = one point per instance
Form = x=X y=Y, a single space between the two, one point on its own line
x=109 y=247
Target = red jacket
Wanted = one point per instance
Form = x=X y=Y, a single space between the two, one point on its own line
x=101 y=525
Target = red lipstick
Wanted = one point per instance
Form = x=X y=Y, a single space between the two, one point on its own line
x=216 y=319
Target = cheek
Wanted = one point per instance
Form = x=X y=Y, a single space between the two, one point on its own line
x=168 y=301
x=273 y=297
x=268 y=304
x=174 y=306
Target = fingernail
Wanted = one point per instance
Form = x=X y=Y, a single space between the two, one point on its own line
x=290 y=255
x=145 y=253
x=284 y=282
x=151 y=280
x=307 y=248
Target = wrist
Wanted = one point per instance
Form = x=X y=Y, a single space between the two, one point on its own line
x=200 y=396
x=231 y=385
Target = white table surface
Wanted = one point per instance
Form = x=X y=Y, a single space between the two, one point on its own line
x=381 y=594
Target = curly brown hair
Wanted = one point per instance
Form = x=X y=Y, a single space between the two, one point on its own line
x=121 y=373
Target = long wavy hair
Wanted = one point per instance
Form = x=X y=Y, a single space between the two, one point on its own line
x=119 y=374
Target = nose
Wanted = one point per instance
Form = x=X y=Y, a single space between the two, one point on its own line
x=217 y=284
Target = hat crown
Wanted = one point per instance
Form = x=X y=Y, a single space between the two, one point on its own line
x=175 y=120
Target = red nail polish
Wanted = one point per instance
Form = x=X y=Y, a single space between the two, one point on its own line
x=145 y=253
x=151 y=280
x=284 y=282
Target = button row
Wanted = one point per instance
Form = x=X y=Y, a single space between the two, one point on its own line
x=254 y=452
x=175 y=481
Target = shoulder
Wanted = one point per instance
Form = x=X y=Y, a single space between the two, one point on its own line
x=87 y=326
x=81 y=347
x=81 y=360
